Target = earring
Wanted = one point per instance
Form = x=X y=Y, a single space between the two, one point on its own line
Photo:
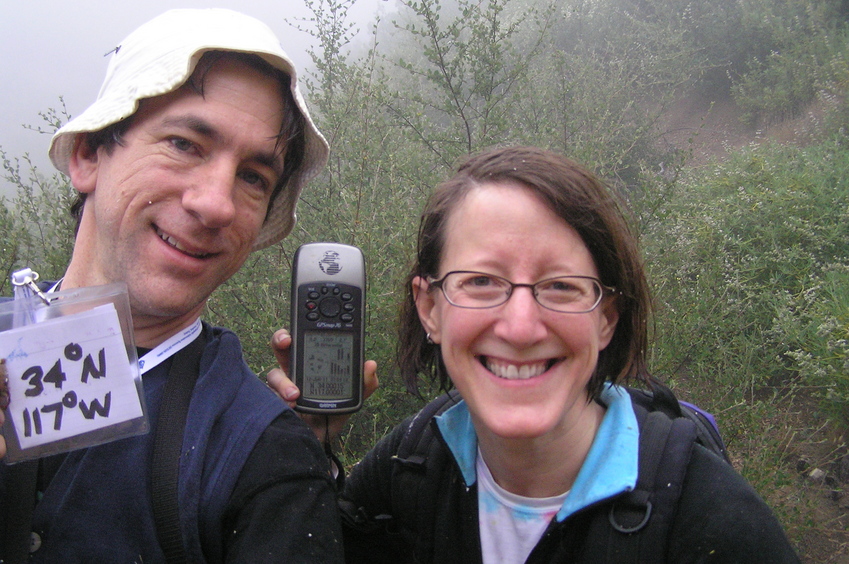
x=429 y=340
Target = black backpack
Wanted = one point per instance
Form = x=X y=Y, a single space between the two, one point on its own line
x=637 y=525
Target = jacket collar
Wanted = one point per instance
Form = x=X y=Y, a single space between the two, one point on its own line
x=609 y=469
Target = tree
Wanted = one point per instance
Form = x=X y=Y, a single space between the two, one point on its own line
x=36 y=228
x=458 y=90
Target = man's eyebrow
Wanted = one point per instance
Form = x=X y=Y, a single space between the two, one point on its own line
x=273 y=160
x=196 y=124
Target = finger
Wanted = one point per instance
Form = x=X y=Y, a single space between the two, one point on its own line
x=285 y=388
x=281 y=342
x=4 y=386
x=4 y=403
x=370 y=381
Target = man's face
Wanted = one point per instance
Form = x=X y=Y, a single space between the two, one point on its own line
x=175 y=209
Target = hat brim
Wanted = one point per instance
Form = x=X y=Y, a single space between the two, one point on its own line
x=159 y=57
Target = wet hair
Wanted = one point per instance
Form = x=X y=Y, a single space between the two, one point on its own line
x=575 y=195
x=291 y=138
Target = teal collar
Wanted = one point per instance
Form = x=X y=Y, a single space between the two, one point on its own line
x=609 y=469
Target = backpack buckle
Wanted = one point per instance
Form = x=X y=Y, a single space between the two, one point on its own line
x=623 y=516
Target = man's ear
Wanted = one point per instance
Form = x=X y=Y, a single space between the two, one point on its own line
x=83 y=165
x=426 y=306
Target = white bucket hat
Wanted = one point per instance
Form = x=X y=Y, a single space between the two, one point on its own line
x=160 y=56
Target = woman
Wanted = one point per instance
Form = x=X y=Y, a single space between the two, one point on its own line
x=529 y=297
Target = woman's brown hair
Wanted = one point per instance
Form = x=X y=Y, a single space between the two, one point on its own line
x=574 y=194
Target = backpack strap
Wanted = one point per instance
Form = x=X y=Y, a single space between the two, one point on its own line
x=661 y=398
x=707 y=430
x=415 y=482
x=418 y=457
x=636 y=526
x=164 y=472
x=168 y=446
x=415 y=446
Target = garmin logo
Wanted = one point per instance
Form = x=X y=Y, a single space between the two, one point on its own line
x=327 y=405
x=325 y=325
x=329 y=264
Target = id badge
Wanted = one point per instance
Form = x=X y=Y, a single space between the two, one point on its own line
x=72 y=370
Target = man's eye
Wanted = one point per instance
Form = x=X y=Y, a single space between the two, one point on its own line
x=182 y=144
x=254 y=179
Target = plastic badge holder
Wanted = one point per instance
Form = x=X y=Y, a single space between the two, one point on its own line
x=73 y=371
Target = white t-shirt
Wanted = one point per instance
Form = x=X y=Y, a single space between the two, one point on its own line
x=510 y=525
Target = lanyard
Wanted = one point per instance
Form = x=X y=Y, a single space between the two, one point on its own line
x=161 y=352
x=169 y=347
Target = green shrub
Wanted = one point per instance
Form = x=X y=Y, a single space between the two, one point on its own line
x=750 y=275
x=813 y=326
x=798 y=44
x=36 y=228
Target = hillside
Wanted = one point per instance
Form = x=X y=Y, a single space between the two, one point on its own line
x=810 y=478
x=716 y=127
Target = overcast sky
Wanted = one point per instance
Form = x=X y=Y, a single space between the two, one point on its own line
x=52 y=48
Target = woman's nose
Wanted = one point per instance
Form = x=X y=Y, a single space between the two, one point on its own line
x=520 y=320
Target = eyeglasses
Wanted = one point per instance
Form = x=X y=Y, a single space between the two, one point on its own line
x=478 y=290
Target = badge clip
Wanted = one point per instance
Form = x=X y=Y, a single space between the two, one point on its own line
x=25 y=280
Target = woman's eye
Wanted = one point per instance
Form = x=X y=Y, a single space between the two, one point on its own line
x=561 y=286
x=480 y=281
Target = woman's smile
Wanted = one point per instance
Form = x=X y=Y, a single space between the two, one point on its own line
x=519 y=366
x=515 y=371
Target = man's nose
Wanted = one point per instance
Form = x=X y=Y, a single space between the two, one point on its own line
x=210 y=198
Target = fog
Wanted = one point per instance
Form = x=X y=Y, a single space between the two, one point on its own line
x=53 y=48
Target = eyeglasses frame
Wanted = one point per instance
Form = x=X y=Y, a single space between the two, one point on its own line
x=439 y=283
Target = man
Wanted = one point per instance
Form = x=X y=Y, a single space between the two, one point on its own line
x=193 y=156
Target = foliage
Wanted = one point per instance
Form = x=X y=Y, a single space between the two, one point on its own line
x=748 y=257
x=813 y=327
x=832 y=85
x=8 y=245
x=799 y=42
x=750 y=262
x=462 y=87
x=748 y=269
x=501 y=72
x=36 y=228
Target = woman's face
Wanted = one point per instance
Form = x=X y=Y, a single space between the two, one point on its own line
x=521 y=368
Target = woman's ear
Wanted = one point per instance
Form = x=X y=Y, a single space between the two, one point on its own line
x=83 y=165
x=426 y=306
x=609 y=310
